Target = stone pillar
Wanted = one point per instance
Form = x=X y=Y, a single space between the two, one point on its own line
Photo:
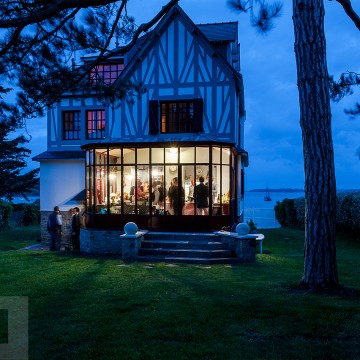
x=131 y=241
x=130 y=245
x=243 y=245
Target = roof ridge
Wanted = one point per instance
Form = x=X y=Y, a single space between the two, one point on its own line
x=218 y=23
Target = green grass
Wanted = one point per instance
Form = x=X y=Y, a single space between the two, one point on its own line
x=18 y=238
x=101 y=308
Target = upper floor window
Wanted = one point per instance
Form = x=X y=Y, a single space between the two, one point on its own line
x=177 y=117
x=71 y=125
x=181 y=116
x=107 y=72
x=95 y=120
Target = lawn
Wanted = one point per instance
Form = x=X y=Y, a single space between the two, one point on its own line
x=83 y=307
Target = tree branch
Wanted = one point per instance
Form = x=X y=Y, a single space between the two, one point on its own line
x=351 y=13
x=45 y=12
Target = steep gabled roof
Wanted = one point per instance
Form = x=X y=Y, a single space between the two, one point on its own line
x=139 y=43
x=213 y=31
x=220 y=31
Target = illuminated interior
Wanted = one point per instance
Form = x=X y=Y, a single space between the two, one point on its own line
x=129 y=180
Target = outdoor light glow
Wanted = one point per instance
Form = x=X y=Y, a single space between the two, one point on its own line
x=173 y=150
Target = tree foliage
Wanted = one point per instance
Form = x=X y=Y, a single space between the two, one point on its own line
x=262 y=14
x=13 y=156
x=348 y=80
x=39 y=39
x=344 y=87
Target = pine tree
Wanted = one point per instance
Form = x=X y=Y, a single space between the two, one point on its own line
x=320 y=267
x=13 y=181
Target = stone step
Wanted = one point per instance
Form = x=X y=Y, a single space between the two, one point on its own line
x=182 y=236
x=191 y=253
x=184 y=244
x=194 y=248
x=189 y=260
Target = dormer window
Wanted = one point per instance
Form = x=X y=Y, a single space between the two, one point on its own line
x=107 y=73
x=223 y=48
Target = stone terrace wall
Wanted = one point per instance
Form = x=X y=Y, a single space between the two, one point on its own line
x=104 y=242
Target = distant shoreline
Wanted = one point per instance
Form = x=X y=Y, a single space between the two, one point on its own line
x=277 y=190
x=287 y=190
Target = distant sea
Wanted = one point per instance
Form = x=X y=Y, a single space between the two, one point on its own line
x=20 y=199
x=262 y=212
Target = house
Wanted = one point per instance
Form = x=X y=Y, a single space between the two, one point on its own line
x=188 y=124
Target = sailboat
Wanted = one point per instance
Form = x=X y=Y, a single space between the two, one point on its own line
x=267 y=196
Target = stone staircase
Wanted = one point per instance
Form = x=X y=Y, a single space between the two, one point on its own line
x=194 y=248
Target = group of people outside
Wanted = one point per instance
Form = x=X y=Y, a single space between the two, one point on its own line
x=55 y=224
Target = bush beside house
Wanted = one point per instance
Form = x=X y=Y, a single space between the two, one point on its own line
x=291 y=212
x=15 y=215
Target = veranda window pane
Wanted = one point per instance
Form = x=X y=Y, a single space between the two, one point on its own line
x=129 y=156
x=157 y=155
x=202 y=154
x=143 y=156
x=171 y=155
x=187 y=155
x=115 y=156
x=101 y=156
x=216 y=155
x=226 y=155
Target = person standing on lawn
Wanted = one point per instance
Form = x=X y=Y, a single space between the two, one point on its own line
x=54 y=228
x=75 y=229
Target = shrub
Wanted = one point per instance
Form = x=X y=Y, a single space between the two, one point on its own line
x=31 y=212
x=291 y=212
x=5 y=212
x=348 y=212
x=252 y=225
x=285 y=213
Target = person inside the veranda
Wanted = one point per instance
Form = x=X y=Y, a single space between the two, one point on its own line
x=201 y=195
x=176 y=200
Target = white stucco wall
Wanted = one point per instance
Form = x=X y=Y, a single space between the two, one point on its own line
x=60 y=181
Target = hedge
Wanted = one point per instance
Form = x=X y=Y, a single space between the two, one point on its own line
x=31 y=213
x=291 y=212
x=5 y=214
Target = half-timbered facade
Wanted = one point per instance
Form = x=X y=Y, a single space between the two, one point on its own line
x=141 y=161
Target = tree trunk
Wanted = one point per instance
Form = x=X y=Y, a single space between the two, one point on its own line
x=320 y=269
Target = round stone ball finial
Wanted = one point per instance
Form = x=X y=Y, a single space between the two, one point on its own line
x=130 y=228
x=242 y=229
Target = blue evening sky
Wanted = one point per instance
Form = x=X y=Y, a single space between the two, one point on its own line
x=272 y=130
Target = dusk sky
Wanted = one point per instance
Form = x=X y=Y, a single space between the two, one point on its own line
x=272 y=130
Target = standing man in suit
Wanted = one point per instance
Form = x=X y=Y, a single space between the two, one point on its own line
x=201 y=195
x=75 y=229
